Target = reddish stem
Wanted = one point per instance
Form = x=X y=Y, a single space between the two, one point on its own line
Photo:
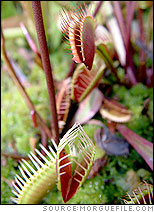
x=36 y=5
x=121 y=22
x=142 y=35
x=125 y=28
x=14 y=156
x=21 y=88
x=130 y=9
x=97 y=8
x=30 y=40
x=32 y=45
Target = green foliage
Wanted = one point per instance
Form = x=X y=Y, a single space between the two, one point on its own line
x=9 y=9
x=16 y=118
x=56 y=36
x=8 y=171
x=90 y=130
x=60 y=62
x=134 y=99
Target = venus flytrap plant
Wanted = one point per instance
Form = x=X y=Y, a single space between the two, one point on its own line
x=69 y=165
x=114 y=111
x=34 y=183
x=75 y=155
x=83 y=81
x=77 y=163
x=141 y=195
x=78 y=27
x=63 y=102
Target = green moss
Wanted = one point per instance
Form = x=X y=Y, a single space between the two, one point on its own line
x=9 y=9
x=134 y=99
x=8 y=171
x=17 y=123
x=90 y=130
x=61 y=62
x=90 y=193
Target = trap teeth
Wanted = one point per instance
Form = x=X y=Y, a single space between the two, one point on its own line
x=75 y=156
x=78 y=27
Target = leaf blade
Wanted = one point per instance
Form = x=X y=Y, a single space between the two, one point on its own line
x=141 y=145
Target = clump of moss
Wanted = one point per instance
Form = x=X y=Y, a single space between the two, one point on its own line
x=17 y=123
x=8 y=171
x=16 y=119
x=134 y=99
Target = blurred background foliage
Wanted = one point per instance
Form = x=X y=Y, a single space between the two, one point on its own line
x=121 y=173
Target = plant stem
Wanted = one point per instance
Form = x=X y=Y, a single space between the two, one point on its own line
x=142 y=33
x=21 y=88
x=120 y=20
x=37 y=12
x=30 y=40
x=14 y=156
x=32 y=45
x=101 y=50
x=125 y=28
x=97 y=8
x=130 y=9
